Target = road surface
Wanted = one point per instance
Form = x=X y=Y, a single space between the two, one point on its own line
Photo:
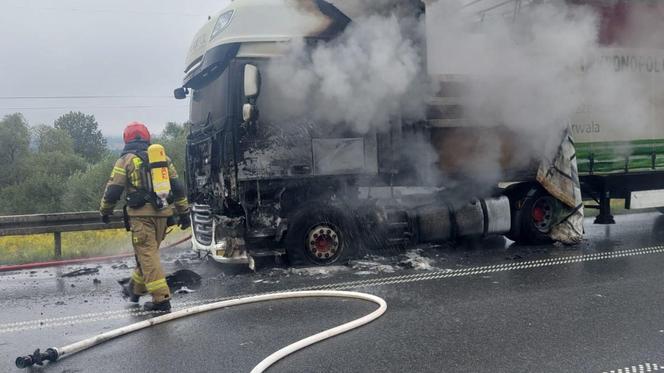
x=476 y=307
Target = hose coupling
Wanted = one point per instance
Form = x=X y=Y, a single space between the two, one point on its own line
x=37 y=358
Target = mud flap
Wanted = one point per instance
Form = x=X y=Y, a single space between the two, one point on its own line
x=560 y=177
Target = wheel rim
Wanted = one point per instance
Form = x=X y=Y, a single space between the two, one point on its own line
x=323 y=244
x=542 y=214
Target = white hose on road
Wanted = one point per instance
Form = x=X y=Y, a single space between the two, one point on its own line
x=270 y=360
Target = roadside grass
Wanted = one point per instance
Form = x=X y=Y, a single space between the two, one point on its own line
x=40 y=247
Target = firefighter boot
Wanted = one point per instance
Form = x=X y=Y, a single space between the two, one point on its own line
x=128 y=292
x=164 y=306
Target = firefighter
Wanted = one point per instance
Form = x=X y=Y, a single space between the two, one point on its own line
x=146 y=215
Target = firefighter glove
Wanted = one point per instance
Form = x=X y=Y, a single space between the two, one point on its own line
x=185 y=221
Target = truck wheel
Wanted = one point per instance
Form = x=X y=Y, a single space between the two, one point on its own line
x=321 y=237
x=533 y=216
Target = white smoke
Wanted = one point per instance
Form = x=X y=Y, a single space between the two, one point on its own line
x=524 y=73
x=362 y=8
x=528 y=75
x=363 y=78
x=535 y=74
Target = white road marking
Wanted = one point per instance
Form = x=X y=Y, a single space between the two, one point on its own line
x=643 y=367
x=380 y=281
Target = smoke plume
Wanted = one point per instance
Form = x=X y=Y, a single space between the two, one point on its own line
x=532 y=75
x=527 y=73
x=362 y=78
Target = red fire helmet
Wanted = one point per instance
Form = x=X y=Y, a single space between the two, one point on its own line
x=136 y=131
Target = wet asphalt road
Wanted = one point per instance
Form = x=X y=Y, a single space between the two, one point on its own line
x=477 y=307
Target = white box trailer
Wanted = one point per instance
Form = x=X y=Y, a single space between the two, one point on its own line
x=618 y=127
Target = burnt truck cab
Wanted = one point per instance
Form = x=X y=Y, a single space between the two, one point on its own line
x=267 y=176
x=248 y=173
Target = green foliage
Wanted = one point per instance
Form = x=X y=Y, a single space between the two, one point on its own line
x=60 y=172
x=49 y=139
x=39 y=193
x=43 y=186
x=174 y=140
x=85 y=188
x=56 y=163
x=14 y=145
x=84 y=130
x=172 y=131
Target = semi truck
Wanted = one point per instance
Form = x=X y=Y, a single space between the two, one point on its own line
x=320 y=192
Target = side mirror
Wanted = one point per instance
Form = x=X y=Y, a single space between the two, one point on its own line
x=180 y=93
x=248 y=112
x=251 y=81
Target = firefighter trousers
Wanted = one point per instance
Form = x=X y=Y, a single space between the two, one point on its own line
x=148 y=276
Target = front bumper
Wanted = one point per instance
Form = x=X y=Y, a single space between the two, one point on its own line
x=226 y=251
x=222 y=249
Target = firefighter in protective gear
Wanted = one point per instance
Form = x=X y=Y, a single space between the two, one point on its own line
x=148 y=216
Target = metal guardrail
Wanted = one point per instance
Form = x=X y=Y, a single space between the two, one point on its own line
x=22 y=225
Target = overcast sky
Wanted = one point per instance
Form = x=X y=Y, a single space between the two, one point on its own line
x=97 y=48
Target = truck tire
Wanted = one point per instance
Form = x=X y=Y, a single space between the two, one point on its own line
x=321 y=236
x=533 y=214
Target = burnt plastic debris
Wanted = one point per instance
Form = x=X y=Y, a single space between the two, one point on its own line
x=81 y=272
x=183 y=278
x=37 y=358
x=184 y=290
x=177 y=280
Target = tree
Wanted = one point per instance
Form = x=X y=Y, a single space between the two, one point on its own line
x=172 y=131
x=85 y=188
x=14 y=146
x=43 y=185
x=51 y=139
x=39 y=193
x=174 y=140
x=84 y=130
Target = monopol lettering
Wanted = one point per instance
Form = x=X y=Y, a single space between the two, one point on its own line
x=639 y=64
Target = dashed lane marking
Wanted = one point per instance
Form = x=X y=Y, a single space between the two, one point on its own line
x=641 y=368
x=380 y=281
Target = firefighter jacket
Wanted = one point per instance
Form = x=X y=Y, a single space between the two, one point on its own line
x=126 y=177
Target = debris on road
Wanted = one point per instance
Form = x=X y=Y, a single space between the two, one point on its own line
x=81 y=272
x=183 y=278
x=321 y=272
x=184 y=290
x=415 y=260
x=371 y=267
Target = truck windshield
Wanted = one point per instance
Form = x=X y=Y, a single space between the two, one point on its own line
x=209 y=103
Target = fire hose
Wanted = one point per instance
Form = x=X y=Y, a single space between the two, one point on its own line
x=54 y=263
x=53 y=354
